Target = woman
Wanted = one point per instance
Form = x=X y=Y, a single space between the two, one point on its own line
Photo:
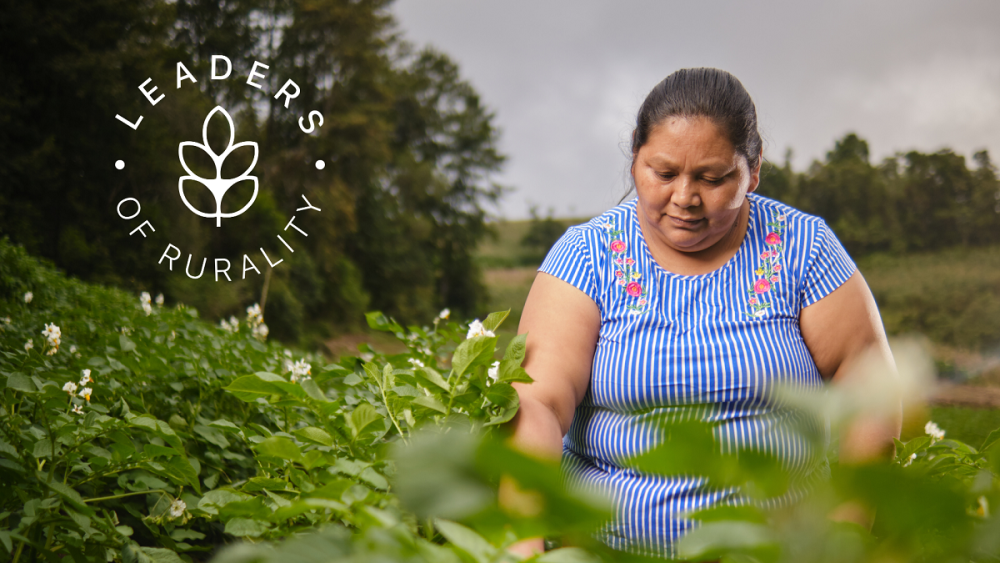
x=696 y=292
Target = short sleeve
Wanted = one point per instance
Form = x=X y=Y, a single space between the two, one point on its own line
x=570 y=261
x=827 y=267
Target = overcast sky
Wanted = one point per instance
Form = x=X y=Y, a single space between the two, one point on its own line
x=566 y=78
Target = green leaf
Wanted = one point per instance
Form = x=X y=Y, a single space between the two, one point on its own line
x=494 y=320
x=246 y=528
x=217 y=498
x=568 y=555
x=433 y=376
x=467 y=540
x=68 y=494
x=716 y=538
x=21 y=383
x=280 y=448
x=181 y=469
x=211 y=435
x=125 y=343
x=378 y=321
x=431 y=403
x=314 y=434
x=313 y=391
x=475 y=351
x=515 y=349
x=249 y=388
x=160 y=555
x=362 y=416
x=992 y=440
x=511 y=371
x=224 y=425
x=502 y=394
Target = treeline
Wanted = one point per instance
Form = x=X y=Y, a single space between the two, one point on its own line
x=407 y=144
x=910 y=202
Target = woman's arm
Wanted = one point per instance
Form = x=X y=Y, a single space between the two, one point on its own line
x=840 y=329
x=562 y=324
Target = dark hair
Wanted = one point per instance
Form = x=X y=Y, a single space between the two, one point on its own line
x=706 y=92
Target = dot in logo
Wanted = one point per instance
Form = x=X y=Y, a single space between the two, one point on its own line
x=320 y=165
x=120 y=164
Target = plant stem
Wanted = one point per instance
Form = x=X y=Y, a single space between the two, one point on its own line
x=123 y=495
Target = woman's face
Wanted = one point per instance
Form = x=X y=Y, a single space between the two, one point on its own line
x=691 y=183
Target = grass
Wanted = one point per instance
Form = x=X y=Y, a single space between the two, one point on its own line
x=966 y=424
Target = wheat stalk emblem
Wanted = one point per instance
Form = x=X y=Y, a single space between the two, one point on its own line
x=218 y=185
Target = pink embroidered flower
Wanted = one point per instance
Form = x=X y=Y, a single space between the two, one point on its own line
x=642 y=301
x=629 y=261
x=772 y=238
x=765 y=255
x=777 y=267
x=633 y=289
x=761 y=286
x=781 y=217
x=753 y=300
x=619 y=273
x=774 y=279
x=621 y=282
x=618 y=246
x=618 y=260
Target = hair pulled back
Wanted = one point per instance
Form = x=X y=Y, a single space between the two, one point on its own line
x=705 y=92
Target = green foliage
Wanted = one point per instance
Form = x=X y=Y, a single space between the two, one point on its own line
x=542 y=233
x=196 y=438
x=909 y=202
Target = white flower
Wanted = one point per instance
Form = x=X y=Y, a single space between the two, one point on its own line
x=260 y=331
x=77 y=409
x=367 y=356
x=147 y=308
x=416 y=363
x=300 y=371
x=72 y=350
x=909 y=460
x=70 y=388
x=52 y=351
x=144 y=297
x=984 y=507
x=288 y=365
x=476 y=328
x=28 y=345
x=254 y=316
x=159 y=299
x=444 y=314
x=177 y=508
x=288 y=353
x=28 y=297
x=494 y=371
x=934 y=431
x=52 y=332
x=86 y=392
x=86 y=377
x=232 y=325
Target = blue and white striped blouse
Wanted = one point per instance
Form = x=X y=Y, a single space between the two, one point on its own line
x=667 y=341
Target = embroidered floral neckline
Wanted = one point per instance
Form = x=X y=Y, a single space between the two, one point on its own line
x=627 y=275
x=767 y=274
